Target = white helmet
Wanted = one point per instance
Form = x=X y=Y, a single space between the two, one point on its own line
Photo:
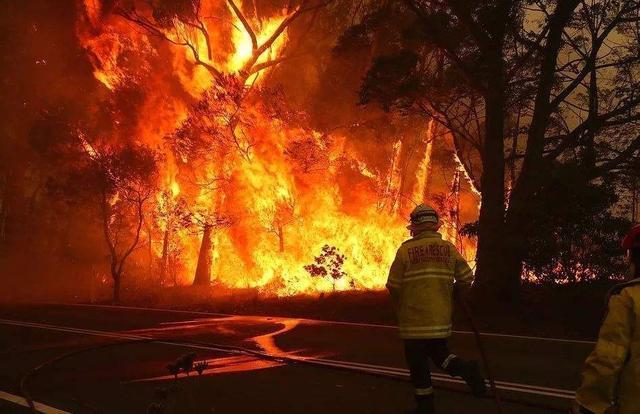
x=423 y=214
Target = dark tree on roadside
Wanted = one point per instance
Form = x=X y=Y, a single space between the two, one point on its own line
x=123 y=181
x=172 y=215
x=629 y=184
x=524 y=87
x=574 y=236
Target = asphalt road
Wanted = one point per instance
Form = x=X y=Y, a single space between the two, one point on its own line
x=93 y=359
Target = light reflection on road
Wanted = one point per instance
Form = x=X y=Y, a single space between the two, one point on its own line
x=232 y=326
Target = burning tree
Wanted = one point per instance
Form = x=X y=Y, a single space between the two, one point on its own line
x=278 y=217
x=309 y=154
x=182 y=23
x=219 y=113
x=218 y=122
x=204 y=141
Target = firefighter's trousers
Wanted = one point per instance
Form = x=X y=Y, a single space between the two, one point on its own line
x=418 y=352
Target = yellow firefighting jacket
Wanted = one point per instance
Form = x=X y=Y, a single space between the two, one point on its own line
x=421 y=282
x=611 y=375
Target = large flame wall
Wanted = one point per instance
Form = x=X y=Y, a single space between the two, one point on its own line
x=280 y=214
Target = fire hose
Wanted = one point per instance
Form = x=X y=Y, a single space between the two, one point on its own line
x=24 y=383
x=483 y=353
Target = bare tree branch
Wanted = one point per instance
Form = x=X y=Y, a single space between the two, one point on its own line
x=245 y=23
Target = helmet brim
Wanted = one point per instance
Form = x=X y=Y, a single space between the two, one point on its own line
x=425 y=225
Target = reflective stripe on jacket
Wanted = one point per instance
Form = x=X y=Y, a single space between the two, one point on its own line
x=611 y=374
x=421 y=282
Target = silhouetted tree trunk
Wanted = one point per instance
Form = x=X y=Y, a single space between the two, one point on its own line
x=454 y=209
x=428 y=174
x=533 y=171
x=490 y=276
x=164 y=263
x=149 y=248
x=513 y=174
x=281 y=237
x=116 y=287
x=118 y=260
x=203 y=268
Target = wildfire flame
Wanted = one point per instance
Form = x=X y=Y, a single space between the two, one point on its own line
x=256 y=213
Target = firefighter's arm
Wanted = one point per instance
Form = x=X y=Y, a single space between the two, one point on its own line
x=394 y=280
x=602 y=368
x=463 y=274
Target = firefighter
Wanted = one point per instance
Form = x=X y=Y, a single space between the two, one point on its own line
x=611 y=374
x=421 y=284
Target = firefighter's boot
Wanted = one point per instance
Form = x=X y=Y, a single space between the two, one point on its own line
x=470 y=372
